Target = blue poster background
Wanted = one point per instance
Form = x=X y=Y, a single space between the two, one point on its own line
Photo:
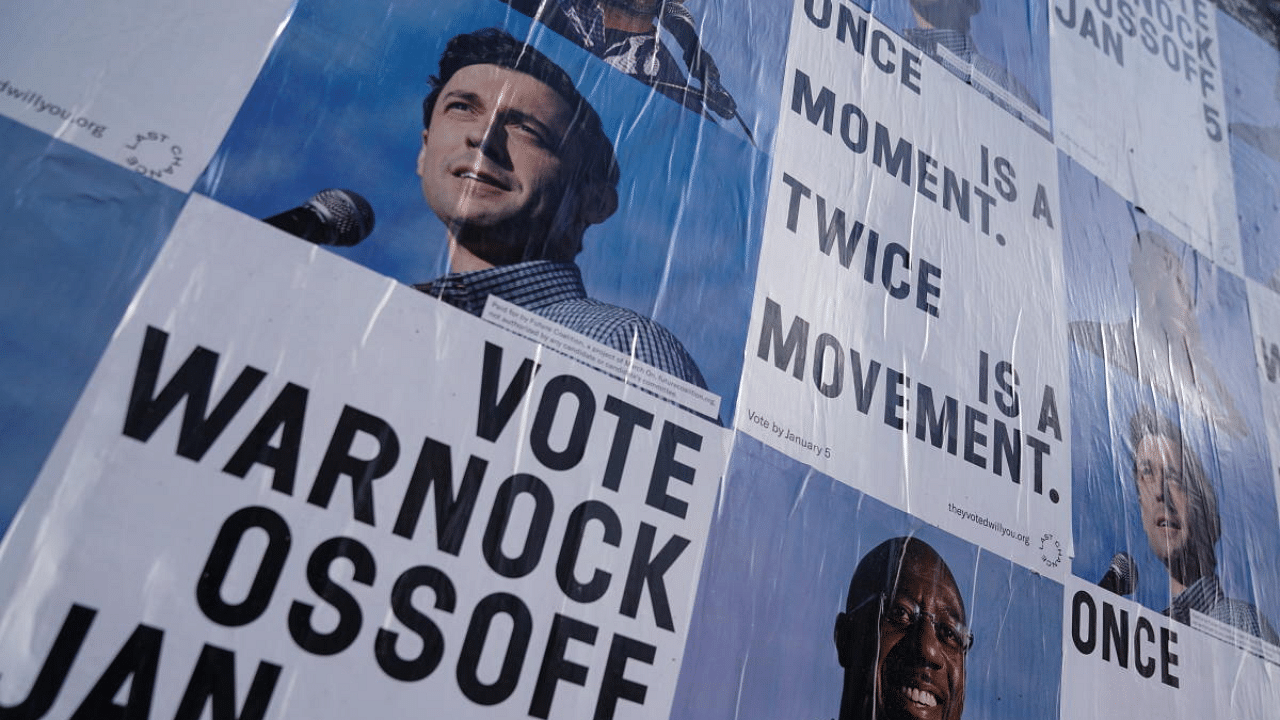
x=1011 y=33
x=338 y=104
x=783 y=544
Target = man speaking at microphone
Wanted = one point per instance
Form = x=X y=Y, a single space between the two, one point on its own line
x=1180 y=517
x=517 y=166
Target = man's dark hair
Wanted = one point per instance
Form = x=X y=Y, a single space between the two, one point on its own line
x=1207 y=527
x=492 y=46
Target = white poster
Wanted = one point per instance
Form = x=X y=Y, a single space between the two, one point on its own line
x=295 y=488
x=907 y=334
x=1137 y=89
x=150 y=84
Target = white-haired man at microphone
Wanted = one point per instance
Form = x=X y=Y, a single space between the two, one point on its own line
x=517 y=166
x=1180 y=517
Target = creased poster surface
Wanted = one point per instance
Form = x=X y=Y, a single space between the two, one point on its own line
x=795 y=627
x=894 y=360
x=63 y=285
x=678 y=246
x=896 y=238
x=1156 y=63
x=1251 y=86
x=1264 y=309
x=354 y=536
x=1120 y=659
x=1161 y=393
x=151 y=85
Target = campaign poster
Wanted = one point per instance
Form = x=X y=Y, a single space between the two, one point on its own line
x=340 y=105
x=1251 y=73
x=909 y=291
x=410 y=509
x=1138 y=101
x=79 y=235
x=782 y=614
x=1173 y=500
x=1122 y=660
x=1264 y=312
x=148 y=84
x=999 y=47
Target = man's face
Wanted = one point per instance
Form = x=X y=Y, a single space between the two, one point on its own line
x=919 y=666
x=497 y=160
x=1162 y=496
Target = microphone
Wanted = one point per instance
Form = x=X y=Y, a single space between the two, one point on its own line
x=1122 y=575
x=330 y=217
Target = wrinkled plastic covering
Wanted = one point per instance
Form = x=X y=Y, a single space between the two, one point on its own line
x=643 y=359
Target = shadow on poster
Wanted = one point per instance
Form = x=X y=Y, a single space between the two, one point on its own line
x=339 y=104
x=791 y=550
x=80 y=233
x=1169 y=451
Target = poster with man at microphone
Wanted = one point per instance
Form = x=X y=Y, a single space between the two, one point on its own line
x=563 y=206
x=1173 y=507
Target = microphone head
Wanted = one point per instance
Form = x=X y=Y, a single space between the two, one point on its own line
x=1124 y=572
x=347 y=216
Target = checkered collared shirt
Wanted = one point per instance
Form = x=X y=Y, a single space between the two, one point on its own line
x=554 y=291
x=1205 y=596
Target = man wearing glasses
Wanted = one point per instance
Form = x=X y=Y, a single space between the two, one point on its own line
x=902 y=638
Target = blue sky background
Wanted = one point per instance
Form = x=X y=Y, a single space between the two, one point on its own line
x=338 y=104
x=80 y=233
x=1098 y=230
x=784 y=542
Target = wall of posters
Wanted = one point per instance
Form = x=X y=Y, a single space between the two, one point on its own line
x=902 y=360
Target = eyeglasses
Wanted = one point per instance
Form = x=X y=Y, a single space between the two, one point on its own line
x=902 y=615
